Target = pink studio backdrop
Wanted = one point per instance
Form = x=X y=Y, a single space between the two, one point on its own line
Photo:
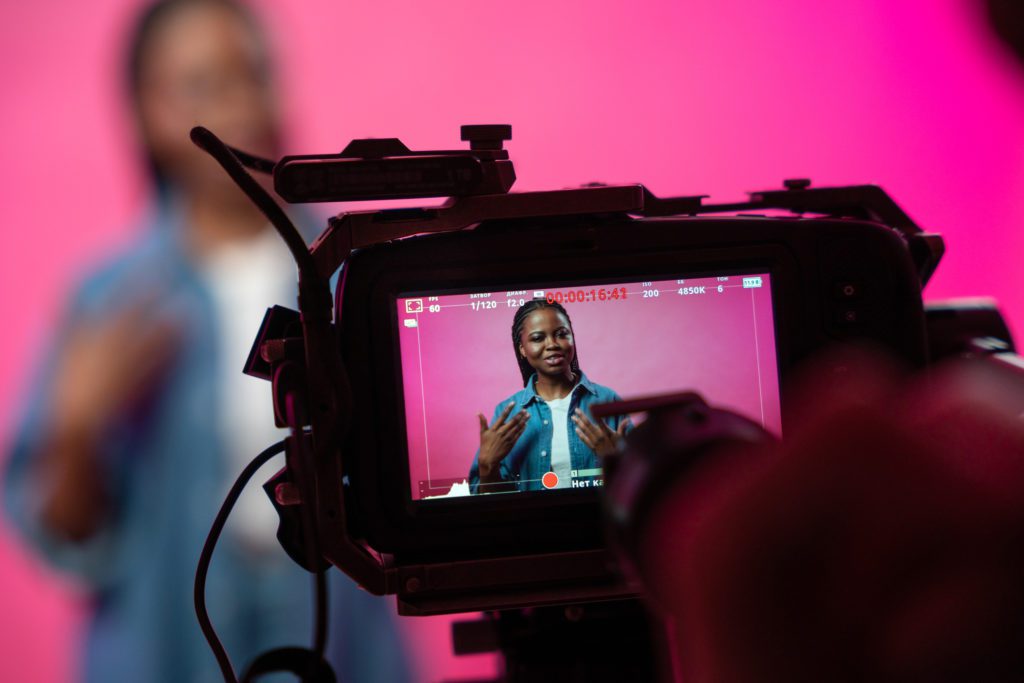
x=699 y=96
x=458 y=361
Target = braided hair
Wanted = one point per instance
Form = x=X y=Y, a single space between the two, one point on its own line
x=519 y=320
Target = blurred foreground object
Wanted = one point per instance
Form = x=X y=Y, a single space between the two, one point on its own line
x=883 y=541
x=1007 y=19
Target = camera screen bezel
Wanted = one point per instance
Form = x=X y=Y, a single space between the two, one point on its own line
x=538 y=521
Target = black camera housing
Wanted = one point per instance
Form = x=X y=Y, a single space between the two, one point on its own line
x=846 y=264
x=833 y=280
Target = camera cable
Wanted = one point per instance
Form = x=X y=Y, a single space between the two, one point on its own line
x=308 y=664
x=207 y=554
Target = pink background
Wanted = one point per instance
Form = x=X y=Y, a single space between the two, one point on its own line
x=720 y=344
x=694 y=96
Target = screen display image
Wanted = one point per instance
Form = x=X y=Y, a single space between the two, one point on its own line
x=480 y=415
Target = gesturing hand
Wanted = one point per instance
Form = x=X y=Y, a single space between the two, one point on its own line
x=599 y=437
x=109 y=363
x=497 y=440
x=106 y=365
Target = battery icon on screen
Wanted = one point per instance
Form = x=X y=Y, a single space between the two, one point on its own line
x=410 y=322
x=749 y=282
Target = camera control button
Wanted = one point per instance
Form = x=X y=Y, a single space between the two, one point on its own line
x=850 y=317
x=847 y=290
x=543 y=454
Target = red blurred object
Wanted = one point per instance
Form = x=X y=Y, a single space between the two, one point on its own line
x=882 y=541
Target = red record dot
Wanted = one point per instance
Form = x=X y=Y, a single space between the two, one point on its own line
x=550 y=480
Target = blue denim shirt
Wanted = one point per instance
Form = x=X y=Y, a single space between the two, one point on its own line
x=166 y=475
x=530 y=458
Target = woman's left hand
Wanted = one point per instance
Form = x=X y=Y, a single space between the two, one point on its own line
x=599 y=437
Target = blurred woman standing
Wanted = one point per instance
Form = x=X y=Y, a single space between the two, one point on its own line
x=141 y=417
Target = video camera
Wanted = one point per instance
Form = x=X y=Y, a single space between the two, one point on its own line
x=382 y=384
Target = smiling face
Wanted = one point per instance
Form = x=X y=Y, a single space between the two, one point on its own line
x=547 y=344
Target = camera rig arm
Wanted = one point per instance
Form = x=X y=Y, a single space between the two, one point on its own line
x=326 y=410
x=477 y=183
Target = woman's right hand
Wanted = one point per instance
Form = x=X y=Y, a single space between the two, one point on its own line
x=497 y=441
x=109 y=363
x=105 y=366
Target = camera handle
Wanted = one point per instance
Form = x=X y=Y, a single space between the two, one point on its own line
x=321 y=378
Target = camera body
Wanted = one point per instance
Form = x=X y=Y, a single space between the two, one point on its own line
x=832 y=280
x=791 y=271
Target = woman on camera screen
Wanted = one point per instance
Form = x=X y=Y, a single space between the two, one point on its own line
x=543 y=436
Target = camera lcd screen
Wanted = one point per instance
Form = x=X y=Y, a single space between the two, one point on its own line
x=464 y=368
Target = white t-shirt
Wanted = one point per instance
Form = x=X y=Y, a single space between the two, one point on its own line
x=561 y=461
x=245 y=279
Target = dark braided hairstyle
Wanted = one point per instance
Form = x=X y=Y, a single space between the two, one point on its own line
x=519 y=320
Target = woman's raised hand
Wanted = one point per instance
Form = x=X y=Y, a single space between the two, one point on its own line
x=105 y=367
x=599 y=437
x=497 y=440
x=109 y=363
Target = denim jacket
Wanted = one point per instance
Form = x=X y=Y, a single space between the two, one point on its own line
x=530 y=457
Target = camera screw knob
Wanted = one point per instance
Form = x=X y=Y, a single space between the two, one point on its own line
x=487 y=137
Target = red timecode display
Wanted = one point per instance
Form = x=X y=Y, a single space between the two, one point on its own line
x=581 y=295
